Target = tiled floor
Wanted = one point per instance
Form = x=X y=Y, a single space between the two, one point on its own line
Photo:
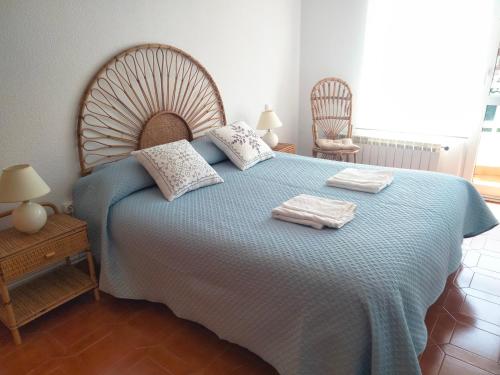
x=464 y=323
x=134 y=337
x=121 y=337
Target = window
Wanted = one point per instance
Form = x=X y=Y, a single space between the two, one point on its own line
x=424 y=66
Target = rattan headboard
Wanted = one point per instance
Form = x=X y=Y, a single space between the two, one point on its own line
x=144 y=96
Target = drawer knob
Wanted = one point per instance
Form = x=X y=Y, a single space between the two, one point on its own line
x=50 y=255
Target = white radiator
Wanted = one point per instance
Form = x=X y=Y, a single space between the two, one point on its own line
x=397 y=153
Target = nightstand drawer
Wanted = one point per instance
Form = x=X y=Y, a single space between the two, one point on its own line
x=37 y=257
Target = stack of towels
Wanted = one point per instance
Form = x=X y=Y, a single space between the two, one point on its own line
x=367 y=180
x=315 y=212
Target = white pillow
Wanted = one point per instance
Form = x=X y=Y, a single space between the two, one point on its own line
x=241 y=144
x=177 y=168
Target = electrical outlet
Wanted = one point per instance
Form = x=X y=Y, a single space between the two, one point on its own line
x=68 y=207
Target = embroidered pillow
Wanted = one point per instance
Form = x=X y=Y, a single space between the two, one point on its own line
x=177 y=168
x=241 y=144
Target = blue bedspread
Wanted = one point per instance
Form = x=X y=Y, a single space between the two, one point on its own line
x=347 y=301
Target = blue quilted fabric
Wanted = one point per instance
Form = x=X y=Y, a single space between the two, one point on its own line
x=313 y=302
x=210 y=152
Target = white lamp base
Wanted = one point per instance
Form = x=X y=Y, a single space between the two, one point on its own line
x=271 y=139
x=29 y=217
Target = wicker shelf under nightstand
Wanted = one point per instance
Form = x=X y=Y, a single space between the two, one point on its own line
x=21 y=254
x=285 y=147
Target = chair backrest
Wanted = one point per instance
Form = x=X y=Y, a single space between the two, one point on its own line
x=331 y=106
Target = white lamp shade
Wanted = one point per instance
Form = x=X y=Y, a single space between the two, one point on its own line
x=268 y=120
x=21 y=183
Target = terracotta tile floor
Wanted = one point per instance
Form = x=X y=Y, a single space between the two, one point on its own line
x=135 y=337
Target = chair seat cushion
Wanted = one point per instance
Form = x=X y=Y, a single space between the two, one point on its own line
x=344 y=144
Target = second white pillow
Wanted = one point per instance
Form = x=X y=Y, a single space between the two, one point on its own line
x=241 y=144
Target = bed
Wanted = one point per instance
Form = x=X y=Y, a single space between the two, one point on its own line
x=348 y=301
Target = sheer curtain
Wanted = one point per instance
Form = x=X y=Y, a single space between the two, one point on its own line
x=424 y=66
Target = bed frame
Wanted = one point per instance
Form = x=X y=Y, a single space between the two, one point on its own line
x=146 y=95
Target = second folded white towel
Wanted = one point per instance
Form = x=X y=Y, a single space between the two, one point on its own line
x=367 y=180
x=316 y=212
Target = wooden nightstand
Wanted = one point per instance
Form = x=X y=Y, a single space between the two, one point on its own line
x=285 y=147
x=22 y=254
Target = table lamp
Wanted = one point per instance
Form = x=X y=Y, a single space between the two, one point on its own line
x=20 y=183
x=269 y=120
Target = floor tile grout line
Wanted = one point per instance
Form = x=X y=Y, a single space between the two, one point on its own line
x=481 y=298
x=226 y=349
x=474 y=354
x=88 y=334
x=482 y=291
x=109 y=333
x=473 y=325
x=161 y=365
x=441 y=364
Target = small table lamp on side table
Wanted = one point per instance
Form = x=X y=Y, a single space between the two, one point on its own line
x=20 y=183
x=269 y=120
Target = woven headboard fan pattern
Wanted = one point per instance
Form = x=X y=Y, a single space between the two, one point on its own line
x=146 y=95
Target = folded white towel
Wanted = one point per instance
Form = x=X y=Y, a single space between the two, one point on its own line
x=315 y=212
x=367 y=180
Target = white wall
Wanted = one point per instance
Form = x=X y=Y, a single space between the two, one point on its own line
x=50 y=49
x=332 y=34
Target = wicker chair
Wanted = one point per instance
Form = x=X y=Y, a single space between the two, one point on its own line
x=331 y=106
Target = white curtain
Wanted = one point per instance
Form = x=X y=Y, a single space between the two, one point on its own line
x=424 y=66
